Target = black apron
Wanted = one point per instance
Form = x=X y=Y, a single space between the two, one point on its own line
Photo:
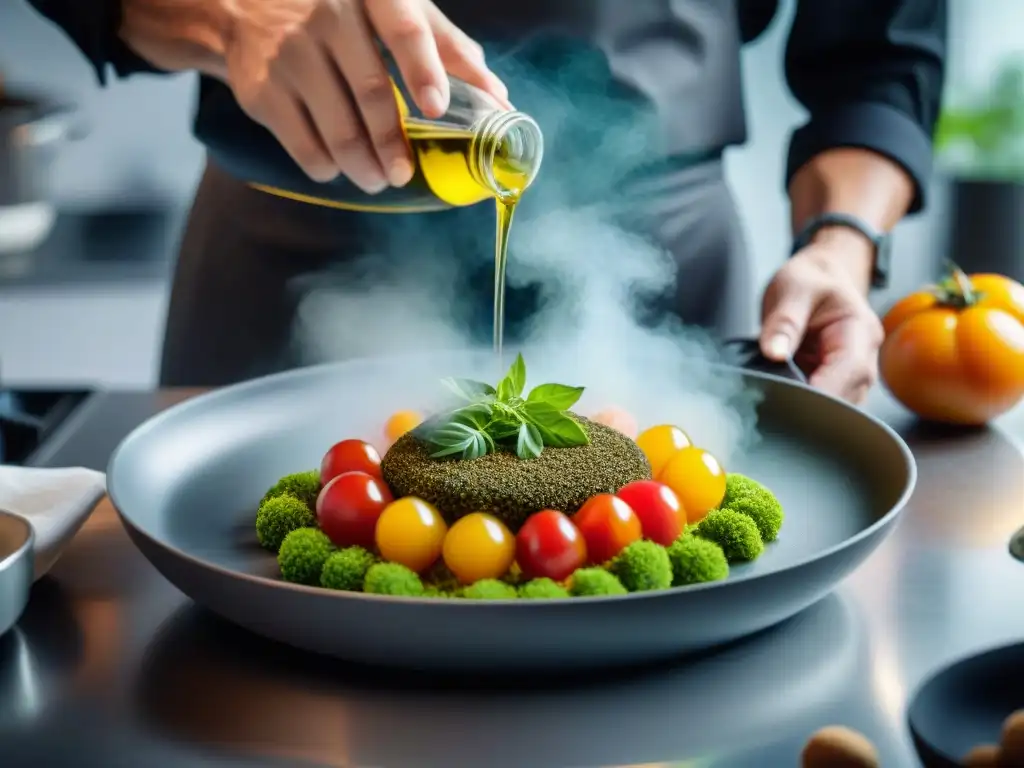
x=637 y=100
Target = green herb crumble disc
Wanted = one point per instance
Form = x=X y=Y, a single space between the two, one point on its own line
x=512 y=488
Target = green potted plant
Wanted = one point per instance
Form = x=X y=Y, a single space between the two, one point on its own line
x=979 y=144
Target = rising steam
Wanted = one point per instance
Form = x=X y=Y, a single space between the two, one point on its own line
x=585 y=331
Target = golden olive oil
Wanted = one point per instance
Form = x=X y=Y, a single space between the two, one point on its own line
x=455 y=166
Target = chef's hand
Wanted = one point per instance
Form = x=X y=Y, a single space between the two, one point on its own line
x=310 y=72
x=815 y=309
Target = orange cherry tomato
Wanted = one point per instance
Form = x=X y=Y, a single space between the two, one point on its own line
x=660 y=443
x=698 y=480
x=956 y=354
x=399 y=423
x=608 y=525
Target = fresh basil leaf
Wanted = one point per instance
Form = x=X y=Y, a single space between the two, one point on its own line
x=558 y=396
x=515 y=380
x=425 y=431
x=556 y=429
x=474 y=415
x=503 y=429
x=529 y=444
x=517 y=373
x=468 y=389
x=504 y=391
x=455 y=438
x=451 y=433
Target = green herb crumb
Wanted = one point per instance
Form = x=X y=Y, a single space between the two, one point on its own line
x=392 y=579
x=346 y=569
x=305 y=486
x=643 y=566
x=735 y=533
x=591 y=582
x=695 y=560
x=542 y=589
x=489 y=589
x=303 y=554
x=280 y=515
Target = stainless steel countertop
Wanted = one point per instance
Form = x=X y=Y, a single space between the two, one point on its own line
x=112 y=666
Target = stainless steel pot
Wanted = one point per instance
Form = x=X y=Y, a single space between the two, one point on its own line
x=32 y=133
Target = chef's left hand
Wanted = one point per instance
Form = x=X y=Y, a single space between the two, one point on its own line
x=816 y=310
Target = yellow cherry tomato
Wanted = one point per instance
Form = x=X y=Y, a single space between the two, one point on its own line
x=399 y=423
x=411 y=531
x=660 y=444
x=617 y=418
x=698 y=480
x=479 y=546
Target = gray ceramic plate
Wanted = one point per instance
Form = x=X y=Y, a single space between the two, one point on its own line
x=187 y=483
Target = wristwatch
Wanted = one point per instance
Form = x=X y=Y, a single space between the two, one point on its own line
x=882 y=241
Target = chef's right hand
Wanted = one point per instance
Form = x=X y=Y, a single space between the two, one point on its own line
x=310 y=72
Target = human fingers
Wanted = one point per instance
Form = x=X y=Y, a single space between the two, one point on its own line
x=281 y=113
x=849 y=360
x=305 y=66
x=786 y=308
x=403 y=27
x=463 y=57
x=350 y=43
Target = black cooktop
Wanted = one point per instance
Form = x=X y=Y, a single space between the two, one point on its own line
x=29 y=416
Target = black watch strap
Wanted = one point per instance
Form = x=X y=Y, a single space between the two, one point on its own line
x=880 y=240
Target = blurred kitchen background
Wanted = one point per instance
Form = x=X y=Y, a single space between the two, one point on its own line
x=87 y=305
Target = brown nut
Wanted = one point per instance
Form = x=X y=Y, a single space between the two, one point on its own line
x=982 y=756
x=836 y=746
x=1012 y=742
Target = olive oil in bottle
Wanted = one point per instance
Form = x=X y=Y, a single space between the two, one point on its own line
x=477 y=151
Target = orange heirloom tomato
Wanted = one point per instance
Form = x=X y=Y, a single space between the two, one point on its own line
x=954 y=353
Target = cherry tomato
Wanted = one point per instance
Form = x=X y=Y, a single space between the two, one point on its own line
x=349 y=456
x=608 y=525
x=955 y=353
x=411 y=531
x=617 y=418
x=478 y=546
x=348 y=507
x=549 y=545
x=660 y=443
x=399 y=423
x=662 y=517
x=698 y=480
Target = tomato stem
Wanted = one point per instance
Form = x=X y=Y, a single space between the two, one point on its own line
x=956 y=290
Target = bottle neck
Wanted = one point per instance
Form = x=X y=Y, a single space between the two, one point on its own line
x=506 y=153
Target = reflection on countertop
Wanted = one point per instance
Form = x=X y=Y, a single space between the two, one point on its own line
x=100 y=246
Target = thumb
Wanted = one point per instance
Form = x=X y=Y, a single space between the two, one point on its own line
x=787 y=310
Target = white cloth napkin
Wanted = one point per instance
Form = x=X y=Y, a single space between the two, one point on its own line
x=54 y=501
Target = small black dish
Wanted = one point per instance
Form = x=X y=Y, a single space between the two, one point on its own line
x=964 y=705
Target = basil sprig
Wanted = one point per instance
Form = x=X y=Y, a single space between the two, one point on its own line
x=498 y=417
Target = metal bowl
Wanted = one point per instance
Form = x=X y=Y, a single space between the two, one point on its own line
x=16 y=567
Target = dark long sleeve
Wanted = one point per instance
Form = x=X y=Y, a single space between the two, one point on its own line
x=871 y=74
x=93 y=25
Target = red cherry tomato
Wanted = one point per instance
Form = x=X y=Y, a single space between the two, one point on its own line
x=348 y=507
x=549 y=545
x=349 y=456
x=608 y=525
x=661 y=514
